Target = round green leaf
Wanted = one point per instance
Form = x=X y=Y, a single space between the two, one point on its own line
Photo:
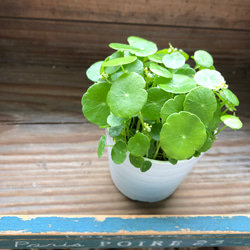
x=182 y=134
x=101 y=146
x=136 y=66
x=124 y=47
x=93 y=72
x=230 y=98
x=138 y=145
x=146 y=47
x=215 y=121
x=211 y=79
x=136 y=161
x=119 y=152
x=174 y=60
x=146 y=166
x=127 y=96
x=115 y=121
x=115 y=131
x=94 y=105
x=112 y=69
x=203 y=58
x=156 y=98
x=202 y=102
x=172 y=106
x=119 y=61
x=116 y=75
x=155 y=131
x=232 y=121
x=156 y=57
x=178 y=84
x=186 y=70
x=160 y=71
x=207 y=145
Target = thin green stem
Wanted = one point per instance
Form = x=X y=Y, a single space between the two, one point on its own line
x=157 y=150
x=223 y=102
x=138 y=125
x=108 y=81
x=106 y=78
x=220 y=130
x=125 y=133
x=224 y=112
x=142 y=121
x=123 y=69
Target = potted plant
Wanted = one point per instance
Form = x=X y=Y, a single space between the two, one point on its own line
x=160 y=112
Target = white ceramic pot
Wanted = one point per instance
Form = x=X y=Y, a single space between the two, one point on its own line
x=158 y=183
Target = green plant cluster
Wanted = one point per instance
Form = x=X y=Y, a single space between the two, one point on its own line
x=155 y=105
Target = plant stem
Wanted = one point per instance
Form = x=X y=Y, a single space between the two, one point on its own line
x=222 y=101
x=157 y=150
x=125 y=133
x=224 y=112
x=220 y=130
x=123 y=69
x=106 y=78
x=138 y=125
x=142 y=121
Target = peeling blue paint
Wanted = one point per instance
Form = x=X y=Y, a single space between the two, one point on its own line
x=43 y=232
x=130 y=225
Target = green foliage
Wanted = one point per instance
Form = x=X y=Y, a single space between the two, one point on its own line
x=127 y=95
x=179 y=84
x=94 y=104
x=203 y=58
x=202 y=102
x=232 y=121
x=119 y=152
x=139 y=144
x=101 y=146
x=93 y=72
x=155 y=105
x=174 y=61
x=174 y=105
x=182 y=134
x=156 y=98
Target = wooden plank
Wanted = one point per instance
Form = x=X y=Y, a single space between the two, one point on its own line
x=223 y=14
x=19 y=232
x=83 y=43
x=53 y=169
x=38 y=94
x=35 y=94
x=48 y=160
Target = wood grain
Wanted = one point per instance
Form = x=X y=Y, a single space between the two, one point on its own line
x=223 y=14
x=46 y=42
x=53 y=169
x=48 y=162
x=38 y=94
x=41 y=94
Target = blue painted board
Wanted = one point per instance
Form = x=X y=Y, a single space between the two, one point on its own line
x=17 y=232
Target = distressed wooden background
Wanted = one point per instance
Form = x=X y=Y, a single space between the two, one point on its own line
x=48 y=162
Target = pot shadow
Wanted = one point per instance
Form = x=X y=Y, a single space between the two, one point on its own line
x=152 y=208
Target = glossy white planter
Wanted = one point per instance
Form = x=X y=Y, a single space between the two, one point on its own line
x=158 y=183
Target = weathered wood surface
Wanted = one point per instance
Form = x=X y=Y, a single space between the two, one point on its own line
x=53 y=169
x=42 y=94
x=48 y=162
x=78 y=32
x=49 y=42
x=221 y=14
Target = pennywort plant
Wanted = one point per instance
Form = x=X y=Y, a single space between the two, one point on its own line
x=155 y=105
